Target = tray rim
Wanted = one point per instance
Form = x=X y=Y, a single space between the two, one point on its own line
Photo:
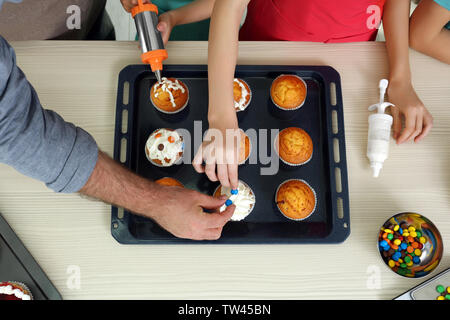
x=327 y=75
x=27 y=261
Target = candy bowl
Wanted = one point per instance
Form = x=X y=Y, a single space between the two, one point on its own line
x=410 y=245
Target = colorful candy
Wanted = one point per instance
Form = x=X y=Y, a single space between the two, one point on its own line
x=401 y=246
x=444 y=293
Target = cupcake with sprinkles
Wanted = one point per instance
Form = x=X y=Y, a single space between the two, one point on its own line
x=12 y=290
x=242 y=94
x=169 y=96
x=164 y=147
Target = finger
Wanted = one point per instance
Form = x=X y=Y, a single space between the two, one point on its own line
x=197 y=162
x=427 y=125
x=162 y=26
x=222 y=175
x=233 y=175
x=397 y=122
x=419 y=127
x=210 y=170
x=219 y=219
x=410 y=126
x=210 y=202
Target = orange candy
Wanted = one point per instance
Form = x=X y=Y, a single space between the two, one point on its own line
x=410 y=249
x=415 y=245
x=394 y=246
x=158 y=135
x=171 y=139
x=385 y=235
x=410 y=239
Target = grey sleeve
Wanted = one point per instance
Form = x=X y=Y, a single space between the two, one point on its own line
x=38 y=142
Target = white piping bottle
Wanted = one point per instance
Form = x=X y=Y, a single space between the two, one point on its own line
x=379 y=132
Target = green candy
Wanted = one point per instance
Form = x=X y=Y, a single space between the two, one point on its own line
x=403 y=265
x=407 y=259
x=390 y=236
x=440 y=288
x=447 y=296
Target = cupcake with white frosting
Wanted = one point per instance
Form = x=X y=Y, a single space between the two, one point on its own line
x=12 y=290
x=170 y=95
x=164 y=147
x=242 y=94
x=242 y=197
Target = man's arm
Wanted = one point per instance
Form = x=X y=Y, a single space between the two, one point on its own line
x=427 y=33
x=418 y=121
x=40 y=144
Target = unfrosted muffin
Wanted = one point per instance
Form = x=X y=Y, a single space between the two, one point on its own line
x=294 y=146
x=288 y=92
x=242 y=94
x=242 y=197
x=11 y=290
x=245 y=147
x=169 y=96
x=164 y=147
x=171 y=182
x=295 y=199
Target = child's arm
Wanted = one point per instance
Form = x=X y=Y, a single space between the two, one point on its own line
x=193 y=12
x=427 y=33
x=222 y=56
x=418 y=121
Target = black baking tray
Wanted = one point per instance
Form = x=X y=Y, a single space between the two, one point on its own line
x=17 y=264
x=321 y=116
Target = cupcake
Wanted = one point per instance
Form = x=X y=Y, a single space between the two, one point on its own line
x=288 y=92
x=242 y=94
x=170 y=95
x=12 y=290
x=295 y=199
x=245 y=147
x=294 y=146
x=171 y=182
x=242 y=197
x=164 y=147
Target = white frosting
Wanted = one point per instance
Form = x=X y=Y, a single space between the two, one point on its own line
x=244 y=201
x=170 y=151
x=240 y=105
x=8 y=290
x=166 y=86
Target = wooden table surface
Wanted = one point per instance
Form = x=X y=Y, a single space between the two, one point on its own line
x=68 y=234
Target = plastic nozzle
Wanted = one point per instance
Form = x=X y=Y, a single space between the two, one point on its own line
x=376 y=168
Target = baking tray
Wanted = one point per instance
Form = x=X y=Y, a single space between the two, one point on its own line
x=321 y=116
x=427 y=289
x=17 y=264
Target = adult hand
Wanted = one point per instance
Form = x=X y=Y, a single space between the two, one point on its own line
x=181 y=212
x=220 y=152
x=418 y=121
x=129 y=4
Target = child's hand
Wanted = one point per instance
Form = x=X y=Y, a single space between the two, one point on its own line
x=220 y=152
x=165 y=25
x=418 y=121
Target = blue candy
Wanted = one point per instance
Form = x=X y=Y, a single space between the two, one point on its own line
x=383 y=243
x=403 y=246
x=228 y=202
x=234 y=191
x=416 y=260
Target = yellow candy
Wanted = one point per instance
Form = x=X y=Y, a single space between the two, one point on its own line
x=405 y=234
x=411 y=229
x=440 y=298
x=448 y=289
x=413 y=234
x=397 y=242
x=418 y=252
x=396 y=227
x=400 y=260
x=388 y=230
x=391 y=263
x=409 y=264
x=422 y=239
